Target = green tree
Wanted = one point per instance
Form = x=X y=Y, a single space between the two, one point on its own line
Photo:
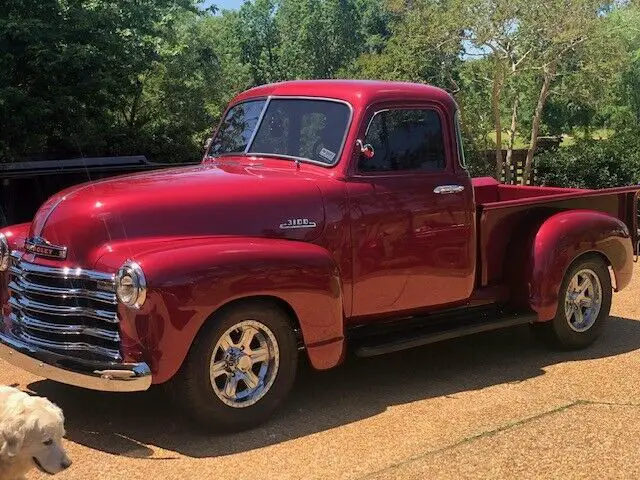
x=169 y=118
x=493 y=25
x=373 y=19
x=259 y=39
x=555 y=31
x=425 y=46
x=318 y=37
x=153 y=76
x=593 y=163
x=621 y=108
x=68 y=66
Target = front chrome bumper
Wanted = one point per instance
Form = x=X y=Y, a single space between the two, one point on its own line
x=108 y=377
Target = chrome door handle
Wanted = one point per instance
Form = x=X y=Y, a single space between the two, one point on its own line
x=448 y=189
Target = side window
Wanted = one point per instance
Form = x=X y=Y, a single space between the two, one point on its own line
x=405 y=139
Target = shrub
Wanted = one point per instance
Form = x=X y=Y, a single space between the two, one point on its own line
x=592 y=163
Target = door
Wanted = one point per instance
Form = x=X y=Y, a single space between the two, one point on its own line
x=412 y=219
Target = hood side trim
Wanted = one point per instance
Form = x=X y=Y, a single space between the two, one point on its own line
x=46 y=218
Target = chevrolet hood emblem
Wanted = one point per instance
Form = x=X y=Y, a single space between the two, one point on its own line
x=41 y=247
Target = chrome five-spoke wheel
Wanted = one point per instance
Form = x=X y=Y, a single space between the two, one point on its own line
x=583 y=300
x=244 y=364
x=240 y=367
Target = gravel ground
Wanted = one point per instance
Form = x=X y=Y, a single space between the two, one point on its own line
x=495 y=405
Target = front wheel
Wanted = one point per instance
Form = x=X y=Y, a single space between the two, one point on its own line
x=240 y=368
x=584 y=303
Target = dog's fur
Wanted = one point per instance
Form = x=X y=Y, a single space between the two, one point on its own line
x=31 y=431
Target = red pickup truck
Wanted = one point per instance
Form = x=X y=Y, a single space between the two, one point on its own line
x=324 y=215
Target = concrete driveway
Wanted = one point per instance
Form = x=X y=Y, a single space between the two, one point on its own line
x=495 y=405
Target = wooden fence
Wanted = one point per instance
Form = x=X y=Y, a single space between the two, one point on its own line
x=519 y=157
x=517 y=171
x=517 y=166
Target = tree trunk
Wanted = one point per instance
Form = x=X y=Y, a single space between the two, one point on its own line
x=495 y=107
x=131 y=121
x=512 y=137
x=549 y=74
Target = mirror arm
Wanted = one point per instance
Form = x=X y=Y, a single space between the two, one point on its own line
x=365 y=149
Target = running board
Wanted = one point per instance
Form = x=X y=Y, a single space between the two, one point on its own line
x=411 y=339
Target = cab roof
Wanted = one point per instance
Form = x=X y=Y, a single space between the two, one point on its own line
x=358 y=93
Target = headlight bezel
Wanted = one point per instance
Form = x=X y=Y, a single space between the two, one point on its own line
x=131 y=270
x=5 y=253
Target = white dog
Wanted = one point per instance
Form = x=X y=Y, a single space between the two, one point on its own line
x=31 y=431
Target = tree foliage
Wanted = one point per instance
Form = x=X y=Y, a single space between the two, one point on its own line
x=97 y=77
x=592 y=163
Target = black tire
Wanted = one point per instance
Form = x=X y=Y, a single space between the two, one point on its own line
x=192 y=388
x=558 y=332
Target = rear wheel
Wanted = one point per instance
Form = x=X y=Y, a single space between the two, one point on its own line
x=240 y=368
x=584 y=303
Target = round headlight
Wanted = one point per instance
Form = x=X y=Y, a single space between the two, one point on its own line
x=131 y=286
x=5 y=253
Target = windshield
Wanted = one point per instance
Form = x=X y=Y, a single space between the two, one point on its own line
x=295 y=128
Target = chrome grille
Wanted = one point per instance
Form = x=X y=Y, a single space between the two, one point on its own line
x=65 y=310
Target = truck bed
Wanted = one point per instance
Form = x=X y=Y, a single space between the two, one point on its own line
x=502 y=209
x=488 y=191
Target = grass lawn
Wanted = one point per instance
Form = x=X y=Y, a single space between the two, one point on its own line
x=519 y=143
x=567 y=139
x=599 y=134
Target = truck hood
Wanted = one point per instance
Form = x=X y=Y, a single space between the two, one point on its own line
x=229 y=199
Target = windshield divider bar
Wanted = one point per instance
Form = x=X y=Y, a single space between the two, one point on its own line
x=257 y=127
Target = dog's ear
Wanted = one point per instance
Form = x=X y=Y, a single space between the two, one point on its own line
x=11 y=443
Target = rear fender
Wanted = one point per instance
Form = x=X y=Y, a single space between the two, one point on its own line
x=560 y=240
x=189 y=280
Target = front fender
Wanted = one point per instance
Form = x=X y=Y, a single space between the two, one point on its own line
x=190 y=279
x=560 y=240
x=16 y=235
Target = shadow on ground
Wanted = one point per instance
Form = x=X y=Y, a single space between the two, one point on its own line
x=124 y=424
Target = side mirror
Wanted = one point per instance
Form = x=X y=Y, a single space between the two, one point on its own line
x=365 y=149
